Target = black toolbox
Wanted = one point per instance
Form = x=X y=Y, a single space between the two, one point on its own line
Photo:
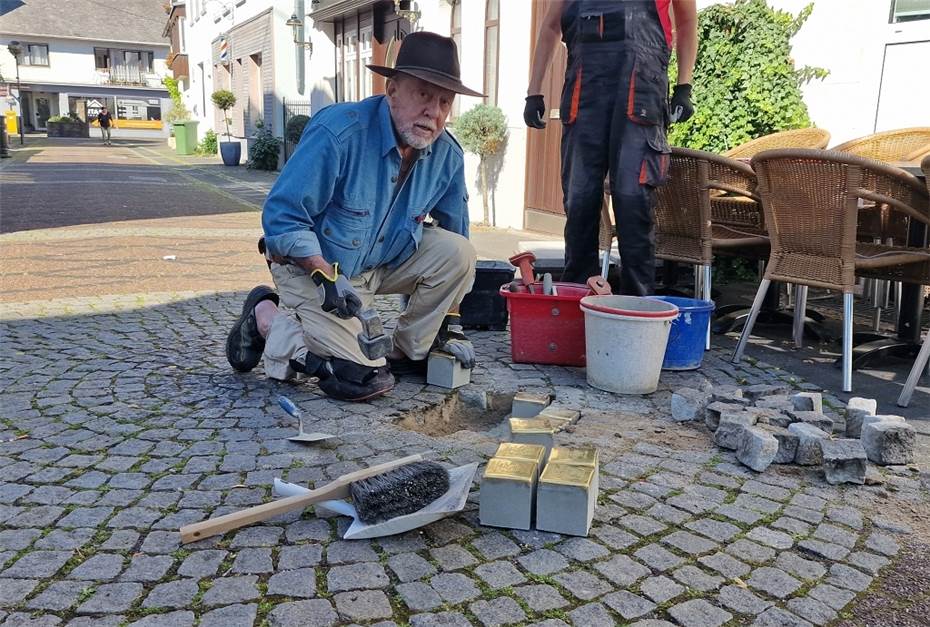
x=484 y=307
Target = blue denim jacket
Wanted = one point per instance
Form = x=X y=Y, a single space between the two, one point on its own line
x=335 y=197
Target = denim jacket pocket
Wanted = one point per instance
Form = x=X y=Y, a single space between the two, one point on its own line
x=344 y=227
x=647 y=100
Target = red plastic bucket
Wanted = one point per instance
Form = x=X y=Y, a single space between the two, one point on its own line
x=547 y=329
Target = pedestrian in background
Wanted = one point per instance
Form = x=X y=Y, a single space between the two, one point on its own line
x=614 y=113
x=104 y=119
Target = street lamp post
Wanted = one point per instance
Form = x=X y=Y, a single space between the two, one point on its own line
x=16 y=50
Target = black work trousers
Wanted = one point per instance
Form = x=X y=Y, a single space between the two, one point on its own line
x=614 y=111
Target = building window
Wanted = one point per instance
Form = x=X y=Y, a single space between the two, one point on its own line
x=910 y=10
x=366 y=81
x=35 y=54
x=102 y=58
x=350 y=69
x=182 y=37
x=455 y=29
x=491 y=45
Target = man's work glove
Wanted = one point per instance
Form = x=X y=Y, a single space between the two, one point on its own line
x=534 y=114
x=681 y=108
x=452 y=339
x=336 y=293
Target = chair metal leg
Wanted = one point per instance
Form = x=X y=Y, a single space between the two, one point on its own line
x=923 y=357
x=800 y=309
x=753 y=314
x=705 y=295
x=847 y=341
x=605 y=263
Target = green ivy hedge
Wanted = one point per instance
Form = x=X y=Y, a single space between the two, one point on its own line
x=745 y=82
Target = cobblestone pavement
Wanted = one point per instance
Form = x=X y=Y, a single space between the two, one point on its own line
x=121 y=422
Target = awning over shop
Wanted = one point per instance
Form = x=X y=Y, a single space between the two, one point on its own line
x=330 y=9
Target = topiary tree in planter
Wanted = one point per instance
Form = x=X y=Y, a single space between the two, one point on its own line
x=483 y=131
x=231 y=151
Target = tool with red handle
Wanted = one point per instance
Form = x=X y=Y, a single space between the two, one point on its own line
x=525 y=262
x=598 y=285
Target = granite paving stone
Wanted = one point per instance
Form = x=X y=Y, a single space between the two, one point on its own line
x=658 y=558
x=495 y=545
x=661 y=589
x=741 y=600
x=42 y=564
x=418 y=596
x=454 y=588
x=147 y=568
x=363 y=605
x=699 y=613
x=111 y=598
x=593 y=615
x=628 y=605
x=696 y=579
x=500 y=611
x=750 y=551
x=238 y=615
x=501 y=574
x=798 y=566
x=356 y=576
x=313 y=612
x=847 y=577
x=225 y=590
x=622 y=570
x=811 y=609
x=100 y=567
x=540 y=598
x=773 y=581
x=543 y=562
x=582 y=584
x=299 y=583
x=202 y=563
x=173 y=594
x=60 y=596
x=689 y=543
x=452 y=557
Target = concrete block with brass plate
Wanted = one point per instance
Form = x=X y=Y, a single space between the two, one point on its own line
x=580 y=456
x=508 y=490
x=565 y=499
x=527 y=405
x=526 y=452
x=532 y=431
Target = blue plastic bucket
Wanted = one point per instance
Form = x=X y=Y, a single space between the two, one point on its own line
x=688 y=335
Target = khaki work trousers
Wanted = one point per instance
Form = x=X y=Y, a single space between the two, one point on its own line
x=436 y=277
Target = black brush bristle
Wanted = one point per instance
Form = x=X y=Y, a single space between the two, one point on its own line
x=401 y=491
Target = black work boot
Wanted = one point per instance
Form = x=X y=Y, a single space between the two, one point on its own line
x=346 y=380
x=244 y=344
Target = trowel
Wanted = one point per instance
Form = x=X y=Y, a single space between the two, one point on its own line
x=307 y=438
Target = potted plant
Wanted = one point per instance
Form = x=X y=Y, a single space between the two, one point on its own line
x=67 y=126
x=483 y=131
x=231 y=150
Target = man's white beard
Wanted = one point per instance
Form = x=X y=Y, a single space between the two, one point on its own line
x=415 y=141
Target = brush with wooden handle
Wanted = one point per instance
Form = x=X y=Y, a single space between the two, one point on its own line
x=385 y=491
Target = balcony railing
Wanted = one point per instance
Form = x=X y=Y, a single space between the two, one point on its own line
x=126 y=75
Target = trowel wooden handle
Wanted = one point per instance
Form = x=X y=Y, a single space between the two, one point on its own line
x=338 y=489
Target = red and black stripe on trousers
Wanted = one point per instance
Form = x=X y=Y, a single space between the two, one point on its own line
x=614 y=112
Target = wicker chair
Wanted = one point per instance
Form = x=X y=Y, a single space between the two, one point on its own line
x=810 y=199
x=903 y=144
x=797 y=138
x=690 y=226
x=924 y=355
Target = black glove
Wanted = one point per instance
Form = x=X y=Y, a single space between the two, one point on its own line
x=452 y=339
x=336 y=293
x=534 y=114
x=681 y=108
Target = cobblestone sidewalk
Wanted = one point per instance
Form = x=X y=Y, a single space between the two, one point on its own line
x=121 y=423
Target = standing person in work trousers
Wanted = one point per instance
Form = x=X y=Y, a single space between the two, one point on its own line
x=347 y=219
x=614 y=111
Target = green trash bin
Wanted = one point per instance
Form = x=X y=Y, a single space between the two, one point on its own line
x=185 y=137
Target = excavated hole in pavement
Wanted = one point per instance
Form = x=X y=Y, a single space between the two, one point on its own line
x=470 y=411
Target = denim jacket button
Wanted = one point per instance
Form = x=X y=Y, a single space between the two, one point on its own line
x=327 y=231
x=381 y=239
x=356 y=242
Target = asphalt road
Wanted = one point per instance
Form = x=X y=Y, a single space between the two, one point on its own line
x=84 y=183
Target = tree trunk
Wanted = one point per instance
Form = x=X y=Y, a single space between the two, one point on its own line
x=482 y=167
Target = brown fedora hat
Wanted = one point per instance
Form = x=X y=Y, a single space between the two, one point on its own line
x=430 y=57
